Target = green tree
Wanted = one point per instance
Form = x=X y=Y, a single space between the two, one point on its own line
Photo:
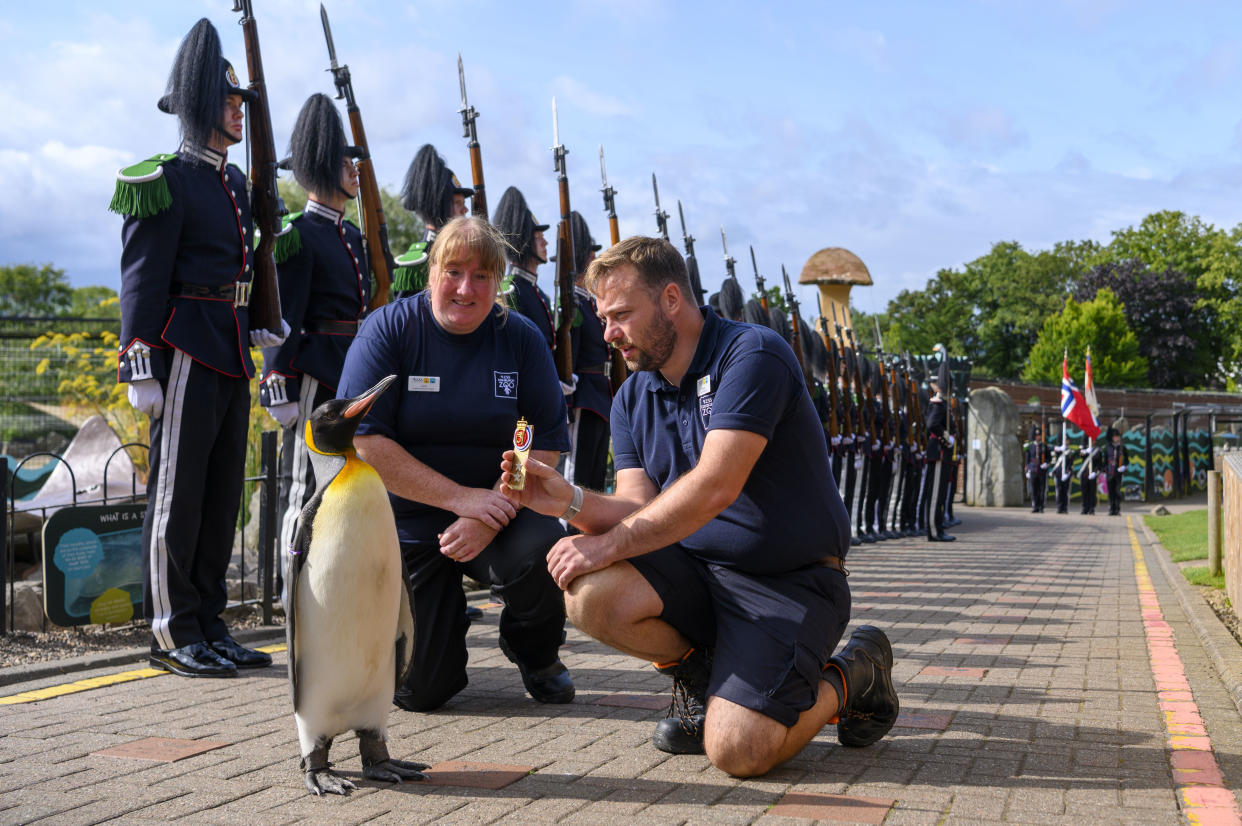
x=1099 y=324
x=27 y=290
x=94 y=302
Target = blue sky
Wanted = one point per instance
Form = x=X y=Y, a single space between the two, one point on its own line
x=914 y=134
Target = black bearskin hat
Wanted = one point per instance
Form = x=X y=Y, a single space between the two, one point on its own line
x=514 y=218
x=778 y=322
x=430 y=186
x=1112 y=431
x=732 y=300
x=713 y=301
x=814 y=351
x=317 y=146
x=753 y=313
x=1036 y=432
x=584 y=244
x=944 y=379
x=199 y=83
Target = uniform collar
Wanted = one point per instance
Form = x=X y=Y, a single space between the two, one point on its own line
x=429 y=235
x=201 y=153
x=323 y=211
x=525 y=275
x=581 y=292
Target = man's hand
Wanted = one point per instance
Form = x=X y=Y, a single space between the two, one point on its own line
x=263 y=339
x=574 y=556
x=546 y=491
x=285 y=413
x=465 y=538
x=491 y=507
x=147 y=396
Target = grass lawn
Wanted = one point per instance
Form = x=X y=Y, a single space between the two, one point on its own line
x=1198 y=575
x=1184 y=534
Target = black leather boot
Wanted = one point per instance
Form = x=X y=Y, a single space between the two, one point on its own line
x=682 y=731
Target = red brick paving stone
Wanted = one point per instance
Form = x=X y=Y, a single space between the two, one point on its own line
x=833 y=807
x=475 y=775
x=953 y=671
x=161 y=749
x=919 y=719
x=652 y=702
x=981 y=641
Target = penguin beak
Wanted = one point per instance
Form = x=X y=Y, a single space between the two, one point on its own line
x=361 y=404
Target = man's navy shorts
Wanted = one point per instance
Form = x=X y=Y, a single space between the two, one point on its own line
x=772 y=634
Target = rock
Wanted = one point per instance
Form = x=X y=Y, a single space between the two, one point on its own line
x=28 y=607
x=1160 y=510
x=994 y=472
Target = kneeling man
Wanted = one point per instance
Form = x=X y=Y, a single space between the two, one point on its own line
x=720 y=556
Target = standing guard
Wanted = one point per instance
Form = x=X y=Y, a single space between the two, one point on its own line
x=325 y=285
x=1115 y=461
x=1088 y=474
x=433 y=193
x=186 y=267
x=591 y=402
x=939 y=457
x=528 y=249
x=1038 y=457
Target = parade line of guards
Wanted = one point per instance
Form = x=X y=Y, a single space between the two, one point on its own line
x=1108 y=458
x=186 y=266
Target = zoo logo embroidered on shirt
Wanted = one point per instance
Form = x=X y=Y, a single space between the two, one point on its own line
x=505 y=385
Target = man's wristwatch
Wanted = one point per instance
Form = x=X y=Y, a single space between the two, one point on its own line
x=575 y=505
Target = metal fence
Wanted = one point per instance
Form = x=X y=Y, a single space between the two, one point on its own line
x=254 y=562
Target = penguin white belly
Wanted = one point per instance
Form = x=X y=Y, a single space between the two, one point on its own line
x=348 y=600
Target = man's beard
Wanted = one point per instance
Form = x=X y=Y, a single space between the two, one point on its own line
x=659 y=338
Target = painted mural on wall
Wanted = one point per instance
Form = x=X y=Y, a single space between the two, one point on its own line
x=1161 y=459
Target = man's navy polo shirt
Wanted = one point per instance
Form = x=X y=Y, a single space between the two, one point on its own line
x=457 y=397
x=742 y=377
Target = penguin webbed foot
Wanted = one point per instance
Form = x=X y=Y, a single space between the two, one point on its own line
x=395 y=771
x=319 y=781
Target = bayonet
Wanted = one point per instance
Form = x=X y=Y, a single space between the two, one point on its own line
x=729 y=260
x=610 y=200
x=340 y=74
x=660 y=215
x=692 y=263
x=562 y=352
x=478 y=201
x=763 y=292
x=327 y=34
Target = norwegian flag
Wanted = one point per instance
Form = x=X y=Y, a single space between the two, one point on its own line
x=1088 y=392
x=1074 y=407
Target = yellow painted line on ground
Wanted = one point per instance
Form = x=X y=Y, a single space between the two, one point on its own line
x=99 y=682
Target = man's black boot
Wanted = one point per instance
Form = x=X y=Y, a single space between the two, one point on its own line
x=870 y=705
x=682 y=731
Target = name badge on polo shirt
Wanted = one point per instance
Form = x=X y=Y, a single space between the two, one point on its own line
x=424 y=384
x=704 y=385
x=505 y=384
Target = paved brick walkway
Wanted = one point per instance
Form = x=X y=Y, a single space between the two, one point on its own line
x=1023 y=666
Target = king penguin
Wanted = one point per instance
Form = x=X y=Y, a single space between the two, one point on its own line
x=350 y=628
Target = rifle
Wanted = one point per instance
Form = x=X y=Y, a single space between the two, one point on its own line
x=478 y=201
x=833 y=425
x=763 y=293
x=729 y=259
x=862 y=402
x=660 y=215
x=562 y=353
x=692 y=263
x=617 y=371
x=266 y=207
x=371 y=210
x=610 y=201
x=918 y=439
x=795 y=319
x=847 y=403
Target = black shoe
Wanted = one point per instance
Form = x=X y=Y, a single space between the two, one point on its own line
x=549 y=684
x=855 y=540
x=473 y=612
x=240 y=656
x=682 y=731
x=941 y=537
x=866 y=537
x=871 y=705
x=193 y=660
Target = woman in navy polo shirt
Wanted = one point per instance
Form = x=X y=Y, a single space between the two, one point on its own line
x=467 y=371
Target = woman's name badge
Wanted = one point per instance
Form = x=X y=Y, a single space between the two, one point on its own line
x=522 y=435
x=705 y=385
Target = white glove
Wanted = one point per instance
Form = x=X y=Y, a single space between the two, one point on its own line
x=568 y=389
x=262 y=338
x=1043 y=466
x=951 y=441
x=147 y=396
x=285 y=413
x=836 y=440
x=1121 y=468
x=875 y=446
x=1028 y=474
x=858 y=462
x=1092 y=475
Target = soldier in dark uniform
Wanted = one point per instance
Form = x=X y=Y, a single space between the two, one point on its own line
x=433 y=193
x=325 y=285
x=1038 y=457
x=1062 y=471
x=528 y=250
x=591 y=402
x=1087 y=475
x=939 y=457
x=186 y=265
x=1115 y=460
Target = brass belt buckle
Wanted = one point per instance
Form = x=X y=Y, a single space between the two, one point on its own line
x=241 y=293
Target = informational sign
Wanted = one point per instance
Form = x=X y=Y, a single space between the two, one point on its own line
x=92 y=564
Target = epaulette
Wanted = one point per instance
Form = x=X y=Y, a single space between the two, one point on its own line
x=506 y=285
x=411 y=272
x=141 y=189
x=288 y=240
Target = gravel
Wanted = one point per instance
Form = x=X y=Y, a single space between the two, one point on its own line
x=26 y=647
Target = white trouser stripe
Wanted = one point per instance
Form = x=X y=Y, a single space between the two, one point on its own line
x=170 y=442
x=297 y=485
x=571 y=458
x=935 y=496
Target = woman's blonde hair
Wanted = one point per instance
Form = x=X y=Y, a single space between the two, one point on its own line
x=467 y=237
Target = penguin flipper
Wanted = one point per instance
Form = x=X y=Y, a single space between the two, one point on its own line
x=405 y=634
x=297 y=558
